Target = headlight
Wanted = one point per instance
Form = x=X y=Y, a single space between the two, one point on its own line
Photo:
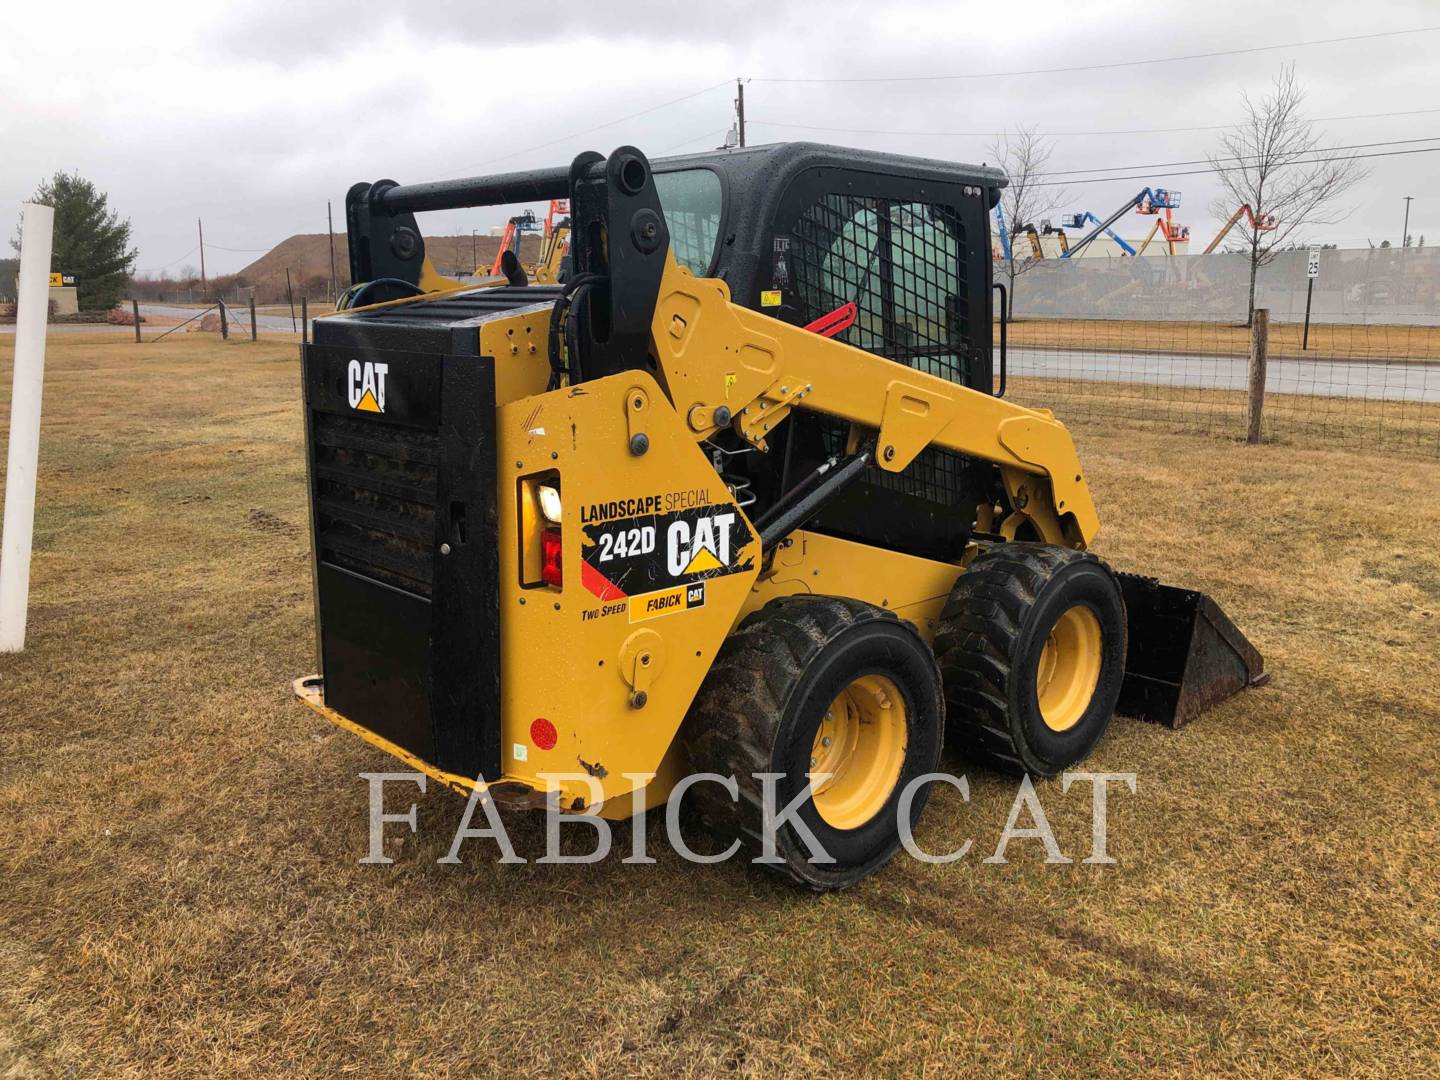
x=549 y=502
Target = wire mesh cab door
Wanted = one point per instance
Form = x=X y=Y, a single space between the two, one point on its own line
x=913 y=256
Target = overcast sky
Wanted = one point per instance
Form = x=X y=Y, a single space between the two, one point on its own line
x=251 y=115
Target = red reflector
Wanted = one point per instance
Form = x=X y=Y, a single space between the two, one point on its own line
x=550 y=569
x=543 y=734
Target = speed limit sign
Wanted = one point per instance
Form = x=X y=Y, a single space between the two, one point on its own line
x=1312 y=267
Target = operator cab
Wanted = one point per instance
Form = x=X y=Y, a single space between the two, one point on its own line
x=798 y=230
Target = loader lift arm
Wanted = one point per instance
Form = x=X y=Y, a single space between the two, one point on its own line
x=728 y=366
x=696 y=329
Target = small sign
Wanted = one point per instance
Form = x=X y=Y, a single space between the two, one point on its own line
x=1312 y=266
x=61 y=281
x=769 y=297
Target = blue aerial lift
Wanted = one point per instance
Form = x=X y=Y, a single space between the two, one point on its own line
x=1000 y=228
x=1085 y=217
x=1145 y=201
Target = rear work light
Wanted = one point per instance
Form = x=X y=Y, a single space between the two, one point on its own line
x=551 y=571
x=549 y=497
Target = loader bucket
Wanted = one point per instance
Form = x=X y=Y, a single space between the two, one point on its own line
x=1184 y=655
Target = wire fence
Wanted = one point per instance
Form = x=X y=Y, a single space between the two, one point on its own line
x=1366 y=386
x=1354 y=385
x=238 y=322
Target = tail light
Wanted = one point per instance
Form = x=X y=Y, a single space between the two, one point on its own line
x=540 y=512
x=551 y=571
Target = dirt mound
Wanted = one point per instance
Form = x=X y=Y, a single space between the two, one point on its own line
x=307 y=256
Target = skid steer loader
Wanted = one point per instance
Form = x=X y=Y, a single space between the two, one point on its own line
x=741 y=495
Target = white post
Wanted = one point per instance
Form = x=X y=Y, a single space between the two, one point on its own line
x=37 y=226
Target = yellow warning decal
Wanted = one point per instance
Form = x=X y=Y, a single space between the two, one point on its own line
x=770 y=298
x=368 y=403
x=665 y=601
x=704 y=560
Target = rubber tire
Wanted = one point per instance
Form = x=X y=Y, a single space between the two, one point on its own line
x=988 y=644
x=761 y=705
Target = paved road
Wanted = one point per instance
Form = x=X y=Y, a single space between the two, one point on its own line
x=1399 y=381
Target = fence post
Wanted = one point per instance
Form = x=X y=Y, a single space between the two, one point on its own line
x=1259 y=346
x=32 y=301
x=135 y=310
x=304 y=319
x=254 y=336
x=224 y=322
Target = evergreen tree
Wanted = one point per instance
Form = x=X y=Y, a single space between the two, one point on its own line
x=91 y=242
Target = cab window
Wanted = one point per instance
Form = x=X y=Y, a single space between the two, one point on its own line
x=690 y=200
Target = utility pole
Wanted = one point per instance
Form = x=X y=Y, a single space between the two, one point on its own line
x=1405 y=232
x=474 y=252
x=330 y=224
x=201 y=226
x=740 y=108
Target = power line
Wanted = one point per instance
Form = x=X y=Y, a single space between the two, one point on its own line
x=172 y=262
x=599 y=127
x=1060 y=134
x=698 y=138
x=1242 y=158
x=1103 y=67
x=1234 y=168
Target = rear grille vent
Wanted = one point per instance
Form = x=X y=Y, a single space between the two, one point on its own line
x=375 y=490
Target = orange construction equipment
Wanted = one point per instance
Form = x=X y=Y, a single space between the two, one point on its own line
x=1173 y=234
x=1264 y=223
x=514 y=230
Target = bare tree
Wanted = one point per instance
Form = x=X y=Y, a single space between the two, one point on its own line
x=1274 y=162
x=1023 y=157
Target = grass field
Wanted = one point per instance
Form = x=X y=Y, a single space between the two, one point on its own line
x=181 y=894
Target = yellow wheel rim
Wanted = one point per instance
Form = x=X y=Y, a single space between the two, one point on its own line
x=1069 y=669
x=859 y=751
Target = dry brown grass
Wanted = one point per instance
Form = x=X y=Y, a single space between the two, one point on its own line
x=181 y=895
x=1330 y=341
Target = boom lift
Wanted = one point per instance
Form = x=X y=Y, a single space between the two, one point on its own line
x=1029 y=231
x=1265 y=223
x=555 y=245
x=1145 y=201
x=1172 y=233
x=515 y=231
x=1085 y=217
x=1001 y=231
x=742 y=496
